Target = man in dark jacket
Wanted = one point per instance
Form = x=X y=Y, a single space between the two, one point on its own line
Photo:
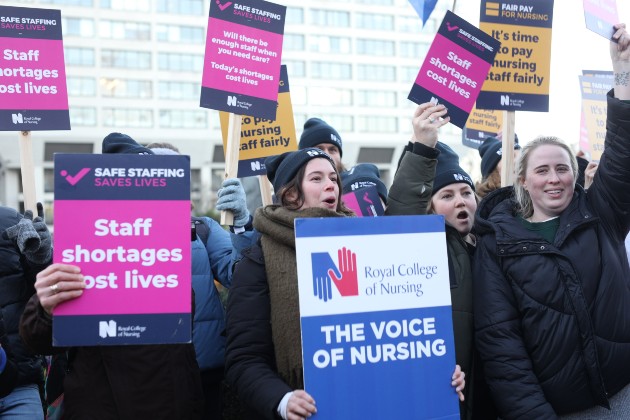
x=25 y=248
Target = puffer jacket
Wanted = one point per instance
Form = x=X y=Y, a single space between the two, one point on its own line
x=553 y=319
x=17 y=277
x=211 y=261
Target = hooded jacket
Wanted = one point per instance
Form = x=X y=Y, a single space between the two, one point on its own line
x=552 y=320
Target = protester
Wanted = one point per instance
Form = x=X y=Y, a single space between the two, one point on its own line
x=317 y=133
x=264 y=354
x=551 y=289
x=491 y=152
x=213 y=256
x=26 y=248
x=113 y=382
x=429 y=180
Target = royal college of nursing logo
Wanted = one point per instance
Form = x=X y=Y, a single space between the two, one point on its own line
x=326 y=273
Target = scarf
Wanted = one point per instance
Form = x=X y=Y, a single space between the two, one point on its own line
x=276 y=225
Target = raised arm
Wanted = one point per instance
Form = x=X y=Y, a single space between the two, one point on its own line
x=411 y=190
x=620 y=56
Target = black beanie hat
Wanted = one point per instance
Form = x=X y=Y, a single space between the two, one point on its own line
x=122 y=143
x=282 y=168
x=361 y=176
x=447 y=170
x=491 y=153
x=317 y=131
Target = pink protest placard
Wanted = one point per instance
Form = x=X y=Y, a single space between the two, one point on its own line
x=600 y=16
x=455 y=67
x=242 y=60
x=125 y=220
x=364 y=202
x=33 y=93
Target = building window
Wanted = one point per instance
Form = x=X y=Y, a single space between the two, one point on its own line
x=373 y=21
x=111 y=29
x=408 y=24
x=295 y=68
x=413 y=49
x=377 y=2
x=180 y=34
x=82 y=116
x=178 y=118
x=329 y=96
x=376 y=72
x=51 y=148
x=376 y=155
x=81 y=86
x=342 y=123
x=195 y=180
x=178 y=90
x=376 y=98
x=375 y=47
x=326 y=70
x=83 y=3
x=83 y=57
x=77 y=27
x=292 y=42
x=334 y=18
x=329 y=44
x=181 y=7
x=126 y=88
x=126 y=59
x=127 y=117
x=294 y=16
x=49 y=180
x=409 y=74
x=180 y=62
x=218 y=156
x=377 y=124
x=130 y=6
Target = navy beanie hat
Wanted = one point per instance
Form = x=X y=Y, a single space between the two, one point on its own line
x=317 y=131
x=447 y=170
x=491 y=153
x=122 y=143
x=282 y=168
x=361 y=176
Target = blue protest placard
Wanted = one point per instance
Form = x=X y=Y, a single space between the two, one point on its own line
x=375 y=308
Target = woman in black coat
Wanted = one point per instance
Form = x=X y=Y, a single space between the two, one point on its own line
x=552 y=295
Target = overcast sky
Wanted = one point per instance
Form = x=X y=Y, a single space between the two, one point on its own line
x=573 y=49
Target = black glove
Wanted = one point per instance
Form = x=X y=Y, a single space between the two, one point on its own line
x=32 y=237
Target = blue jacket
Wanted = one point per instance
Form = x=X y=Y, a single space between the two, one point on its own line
x=211 y=261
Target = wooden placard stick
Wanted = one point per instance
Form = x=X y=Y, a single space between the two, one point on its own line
x=507 y=147
x=265 y=190
x=28 y=171
x=231 y=158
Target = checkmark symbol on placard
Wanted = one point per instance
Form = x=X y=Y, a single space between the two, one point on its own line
x=451 y=28
x=72 y=180
x=223 y=6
